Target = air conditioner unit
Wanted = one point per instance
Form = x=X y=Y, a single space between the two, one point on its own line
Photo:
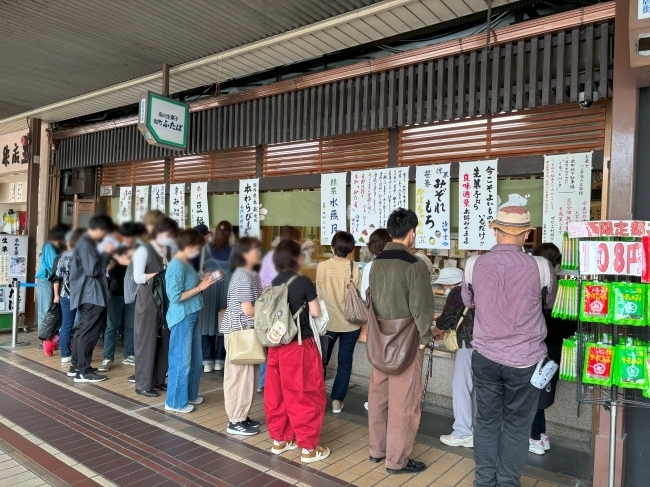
x=83 y=181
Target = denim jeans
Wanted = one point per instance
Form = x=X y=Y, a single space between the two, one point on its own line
x=129 y=319
x=115 y=319
x=185 y=362
x=44 y=297
x=213 y=349
x=347 y=342
x=260 y=385
x=68 y=317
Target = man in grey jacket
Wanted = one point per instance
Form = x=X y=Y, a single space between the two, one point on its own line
x=89 y=294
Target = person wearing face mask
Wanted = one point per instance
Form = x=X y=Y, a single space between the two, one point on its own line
x=307 y=249
x=184 y=290
x=456 y=317
x=150 y=338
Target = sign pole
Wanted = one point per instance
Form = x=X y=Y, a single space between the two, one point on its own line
x=165 y=79
x=14 y=329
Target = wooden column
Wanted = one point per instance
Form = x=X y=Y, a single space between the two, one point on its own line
x=33 y=212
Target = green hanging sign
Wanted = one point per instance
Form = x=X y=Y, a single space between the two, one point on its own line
x=164 y=122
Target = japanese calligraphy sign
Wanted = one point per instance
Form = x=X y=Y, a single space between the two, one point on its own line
x=432 y=185
x=126 y=195
x=374 y=194
x=13 y=155
x=158 y=197
x=643 y=11
x=12 y=192
x=19 y=191
x=615 y=258
x=609 y=228
x=249 y=207
x=333 y=201
x=567 y=193
x=141 y=202
x=177 y=203
x=164 y=122
x=199 y=210
x=13 y=264
x=477 y=195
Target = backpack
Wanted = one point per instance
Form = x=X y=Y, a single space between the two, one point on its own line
x=542 y=266
x=130 y=286
x=274 y=323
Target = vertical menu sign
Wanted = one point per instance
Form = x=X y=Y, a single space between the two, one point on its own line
x=199 y=211
x=333 y=205
x=477 y=197
x=432 y=206
x=249 y=218
x=13 y=264
x=158 y=197
x=126 y=194
x=177 y=203
x=141 y=202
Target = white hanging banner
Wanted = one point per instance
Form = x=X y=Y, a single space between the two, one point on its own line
x=177 y=203
x=333 y=201
x=199 y=211
x=12 y=192
x=126 y=194
x=19 y=192
x=141 y=202
x=477 y=203
x=567 y=193
x=158 y=197
x=432 y=185
x=249 y=217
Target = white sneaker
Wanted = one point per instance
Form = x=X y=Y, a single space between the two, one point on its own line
x=65 y=360
x=546 y=441
x=188 y=408
x=260 y=389
x=105 y=366
x=536 y=446
x=218 y=366
x=280 y=447
x=315 y=455
x=198 y=400
x=130 y=360
x=365 y=405
x=337 y=406
x=207 y=368
x=451 y=440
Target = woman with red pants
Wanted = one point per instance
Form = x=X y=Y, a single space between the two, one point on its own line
x=294 y=393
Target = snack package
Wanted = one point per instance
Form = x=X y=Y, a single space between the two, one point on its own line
x=595 y=301
x=629 y=306
x=630 y=370
x=598 y=364
x=568 y=369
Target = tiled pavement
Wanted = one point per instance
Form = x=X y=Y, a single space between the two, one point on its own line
x=105 y=434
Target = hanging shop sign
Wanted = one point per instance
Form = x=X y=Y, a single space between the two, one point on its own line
x=374 y=195
x=249 y=218
x=432 y=185
x=609 y=228
x=13 y=265
x=141 y=202
x=333 y=201
x=477 y=195
x=158 y=197
x=199 y=211
x=615 y=258
x=177 y=203
x=14 y=152
x=567 y=193
x=164 y=122
x=126 y=195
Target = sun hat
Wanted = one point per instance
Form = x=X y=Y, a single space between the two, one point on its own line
x=512 y=220
x=450 y=276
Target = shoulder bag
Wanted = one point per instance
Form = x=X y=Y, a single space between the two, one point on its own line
x=355 y=310
x=449 y=337
x=244 y=348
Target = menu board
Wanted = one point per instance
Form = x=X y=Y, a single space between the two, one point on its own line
x=158 y=197
x=141 y=202
x=477 y=204
x=199 y=199
x=374 y=195
x=567 y=193
x=177 y=203
x=249 y=218
x=13 y=264
x=333 y=201
x=125 y=214
x=432 y=185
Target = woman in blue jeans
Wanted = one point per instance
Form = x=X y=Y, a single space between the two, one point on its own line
x=44 y=290
x=184 y=288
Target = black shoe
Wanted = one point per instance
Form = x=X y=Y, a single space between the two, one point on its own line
x=377 y=459
x=412 y=466
x=162 y=387
x=131 y=378
x=251 y=423
x=242 y=428
x=147 y=393
x=72 y=371
x=91 y=377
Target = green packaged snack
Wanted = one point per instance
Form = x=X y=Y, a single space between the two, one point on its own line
x=598 y=364
x=629 y=306
x=568 y=369
x=595 y=301
x=630 y=369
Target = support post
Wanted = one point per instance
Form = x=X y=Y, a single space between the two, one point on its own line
x=165 y=79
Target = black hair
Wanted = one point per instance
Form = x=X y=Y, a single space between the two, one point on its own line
x=101 y=222
x=342 y=244
x=378 y=240
x=286 y=256
x=550 y=252
x=58 y=231
x=401 y=222
x=241 y=247
x=189 y=238
x=165 y=225
x=132 y=229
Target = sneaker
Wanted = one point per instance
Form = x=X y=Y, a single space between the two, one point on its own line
x=242 y=428
x=282 y=446
x=130 y=360
x=72 y=372
x=315 y=455
x=260 y=389
x=131 y=378
x=546 y=441
x=207 y=368
x=365 y=405
x=105 y=366
x=451 y=440
x=188 y=408
x=92 y=377
x=536 y=446
x=65 y=360
x=337 y=406
x=198 y=400
x=251 y=423
x=218 y=366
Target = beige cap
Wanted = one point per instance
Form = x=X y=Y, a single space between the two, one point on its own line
x=512 y=220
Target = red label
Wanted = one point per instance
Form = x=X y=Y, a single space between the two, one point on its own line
x=599 y=362
x=596 y=302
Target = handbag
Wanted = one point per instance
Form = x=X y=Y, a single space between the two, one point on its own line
x=449 y=337
x=319 y=325
x=51 y=322
x=355 y=310
x=159 y=295
x=244 y=348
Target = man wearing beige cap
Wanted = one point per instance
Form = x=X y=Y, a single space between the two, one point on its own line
x=509 y=332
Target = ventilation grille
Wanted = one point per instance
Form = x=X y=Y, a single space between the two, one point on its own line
x=133 y=173
x=230 y=164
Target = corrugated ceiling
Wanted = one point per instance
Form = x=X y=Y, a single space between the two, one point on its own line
x=70 y=58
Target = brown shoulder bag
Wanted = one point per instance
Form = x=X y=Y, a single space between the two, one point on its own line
x=355 y=311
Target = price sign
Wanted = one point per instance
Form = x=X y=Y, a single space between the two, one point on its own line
x=615 y=258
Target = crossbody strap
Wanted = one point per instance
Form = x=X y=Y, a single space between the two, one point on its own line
x=296 y=316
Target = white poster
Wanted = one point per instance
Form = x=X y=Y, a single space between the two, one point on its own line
x=333 y=201
x=13 y=264
x=567 y=193
x=199 y=211
x=141 y=202
x=177 y=203
x=375 y=194
x=126 y=194
x=12 y=192
x=158 y=197
x=249 y=217
x=477 y=203
x=19 y=192
x=432 y=185
x=4 y=269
